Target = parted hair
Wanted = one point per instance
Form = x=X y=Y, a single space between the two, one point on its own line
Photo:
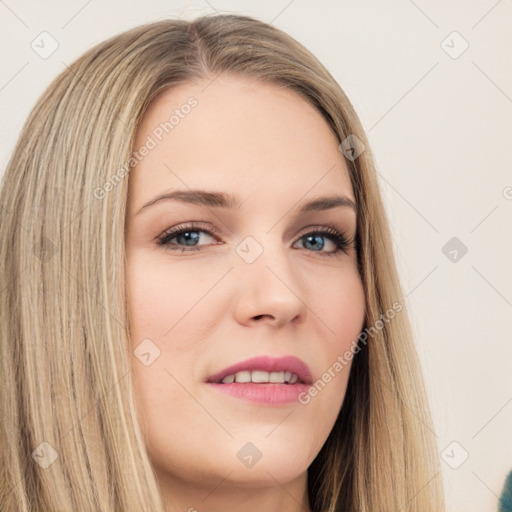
x=70 y=438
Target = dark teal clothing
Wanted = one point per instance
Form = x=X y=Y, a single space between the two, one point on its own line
x=506 y=495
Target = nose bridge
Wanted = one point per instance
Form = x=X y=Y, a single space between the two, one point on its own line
x=267 y=282
x=261 y=237
x=263 y=250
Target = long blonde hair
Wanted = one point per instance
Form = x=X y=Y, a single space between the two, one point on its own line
x=70 y=437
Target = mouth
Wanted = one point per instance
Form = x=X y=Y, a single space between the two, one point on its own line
x=261 y=377
x=288 y=371
x=264 y=381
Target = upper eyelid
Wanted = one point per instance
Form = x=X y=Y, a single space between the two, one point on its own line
x=215 y=232
x=199 y=226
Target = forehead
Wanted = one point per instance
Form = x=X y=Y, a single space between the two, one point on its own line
x=236 y=134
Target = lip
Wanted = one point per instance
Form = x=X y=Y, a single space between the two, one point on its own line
x=271 y=394
x=269 y=364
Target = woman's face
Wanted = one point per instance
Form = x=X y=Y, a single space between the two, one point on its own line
x=253 y=278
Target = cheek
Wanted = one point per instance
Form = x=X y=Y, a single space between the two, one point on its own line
x=343 y=308
x=338 y=311
x=160 y=294
x=340 y=306
x=165 y=322
x=348 y=307
x=149 y=292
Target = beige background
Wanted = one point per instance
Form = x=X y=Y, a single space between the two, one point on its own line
x=440 y=126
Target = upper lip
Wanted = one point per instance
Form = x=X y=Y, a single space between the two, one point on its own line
x=269 y=364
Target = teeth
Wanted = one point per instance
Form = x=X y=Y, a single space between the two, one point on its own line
x=260 y=376
x=243 y=376
x=276 y=377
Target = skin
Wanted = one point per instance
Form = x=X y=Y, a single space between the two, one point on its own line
x=208 y=309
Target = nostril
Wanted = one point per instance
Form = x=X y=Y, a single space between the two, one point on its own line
x=257 y=317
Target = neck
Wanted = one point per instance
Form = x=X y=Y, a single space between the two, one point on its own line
x=227 y=493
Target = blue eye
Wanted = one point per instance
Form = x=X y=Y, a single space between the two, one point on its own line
x=187 y=237
x=315 y=239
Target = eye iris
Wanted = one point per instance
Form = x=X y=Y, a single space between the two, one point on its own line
x=319 y=241
x=188 y=236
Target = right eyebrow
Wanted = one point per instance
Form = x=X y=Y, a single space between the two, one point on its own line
x=199 y=197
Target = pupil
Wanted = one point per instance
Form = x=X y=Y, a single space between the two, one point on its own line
x=190 y=236
x=319 y=239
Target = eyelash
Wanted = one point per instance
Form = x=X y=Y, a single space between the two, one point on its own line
x=339 y=238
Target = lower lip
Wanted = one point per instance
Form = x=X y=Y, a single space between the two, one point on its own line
x=265 y=394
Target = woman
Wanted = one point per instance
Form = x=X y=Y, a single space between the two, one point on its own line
x=200 y=306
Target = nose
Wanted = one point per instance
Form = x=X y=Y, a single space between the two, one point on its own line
x=269 y=290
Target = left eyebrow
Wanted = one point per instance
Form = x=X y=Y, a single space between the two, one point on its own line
x=326 y=203
x=228 y=201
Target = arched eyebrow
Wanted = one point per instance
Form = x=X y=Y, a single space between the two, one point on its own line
x=212 y=199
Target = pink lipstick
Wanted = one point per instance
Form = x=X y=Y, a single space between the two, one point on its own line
x=264 y=380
